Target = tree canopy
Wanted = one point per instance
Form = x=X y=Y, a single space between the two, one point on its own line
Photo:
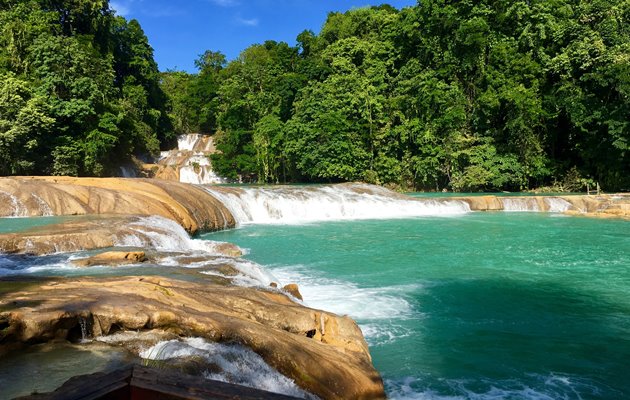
x=79 y=89
x=464 y=95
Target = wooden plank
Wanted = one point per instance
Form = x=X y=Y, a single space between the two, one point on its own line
x=88 y=387
x=142 y=383
x=187 y=387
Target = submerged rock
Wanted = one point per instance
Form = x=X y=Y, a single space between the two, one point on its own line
x=324 y=353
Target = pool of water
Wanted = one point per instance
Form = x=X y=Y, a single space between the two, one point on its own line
x=482 y=305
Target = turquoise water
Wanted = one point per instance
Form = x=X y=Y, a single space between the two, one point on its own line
x=480 y=306
x=8 y=225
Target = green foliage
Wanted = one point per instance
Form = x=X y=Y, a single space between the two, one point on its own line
x=484 y=95
x=467 y=95
x=80 y=89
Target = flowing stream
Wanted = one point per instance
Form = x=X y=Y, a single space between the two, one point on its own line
x=454 y=304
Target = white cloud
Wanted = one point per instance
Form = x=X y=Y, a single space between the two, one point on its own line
x=247 y=21
x=121 y=8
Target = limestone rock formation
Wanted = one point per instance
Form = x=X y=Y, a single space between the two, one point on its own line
x=94 y=232
x=612 y=205
x=189 y=163
x=188 y=205
x=324 y=353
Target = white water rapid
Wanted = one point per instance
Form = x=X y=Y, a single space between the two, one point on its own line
x=520 y=204
x=231 y=363
x=295 y=205
x=524 y=204
x=191 y=159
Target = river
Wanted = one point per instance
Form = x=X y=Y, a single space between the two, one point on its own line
x=454 y=304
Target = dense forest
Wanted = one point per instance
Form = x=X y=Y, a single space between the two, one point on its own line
x=462 y=95
x=79 y=89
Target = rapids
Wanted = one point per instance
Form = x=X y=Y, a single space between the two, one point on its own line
x=295 y=205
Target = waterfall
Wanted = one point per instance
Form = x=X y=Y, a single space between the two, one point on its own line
x=163 y=234
x=44 y=208
x=188 y=142
x=84 y=330
x=127 y=172
x=199 y=171
x=531 y=204
x=293 y=205
x=231 y=363
x=191 y=159
x=18 y=208
x=557 y=205
x=520 y=204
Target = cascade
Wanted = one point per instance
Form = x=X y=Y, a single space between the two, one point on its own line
x=44 y=208
x=191 y=159
x=163 y=234
x=199 y=171
x=293 y=205
x=557 y=205
x=232 y=363
x=166 y=235
x=127 y=172
x=18 y=209
x=84 y=332
x=520 y=204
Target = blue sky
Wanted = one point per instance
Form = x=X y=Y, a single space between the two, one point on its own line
x=181 y=30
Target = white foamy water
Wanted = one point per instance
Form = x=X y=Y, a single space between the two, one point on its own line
x=557 y=205
x=188 y=142
x=19 y=210
x=127 y=172
x=250 y=273
x=232 y=363
x=191 y=159
x=44 y=208
x=164 y=234
x=326 y=203
x=524 y=204
x=199 y=171
x=345 y=298
x=520 y=204
x=548 y=387
x=33 y=265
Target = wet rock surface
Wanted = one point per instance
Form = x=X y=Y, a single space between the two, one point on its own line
x=188 y=205
x=112 y=258
x=608 y=205
x=324 y=353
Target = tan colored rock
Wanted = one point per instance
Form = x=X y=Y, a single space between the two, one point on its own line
x=228 y=249
x=612 y=206
x=482 y=203
x=293 y=290
x=325 y=354
x=164 y=172
x=189 y=205
x=82 y=234
x=112 y=258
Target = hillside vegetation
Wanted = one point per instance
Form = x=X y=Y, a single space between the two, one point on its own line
x=463 y=95
x=79 y=89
